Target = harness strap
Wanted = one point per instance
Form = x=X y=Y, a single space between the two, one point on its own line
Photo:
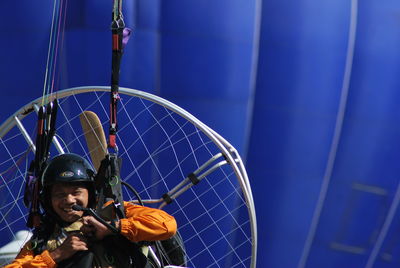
x=117 y=30
x=108 y=184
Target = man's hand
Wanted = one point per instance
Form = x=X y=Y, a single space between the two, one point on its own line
x=93 y=228
x=69 y=247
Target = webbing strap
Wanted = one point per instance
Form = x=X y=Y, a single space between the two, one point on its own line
x=108 y=184
x=117 y=30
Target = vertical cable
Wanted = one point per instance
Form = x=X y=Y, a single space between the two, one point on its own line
x=53 y=43
x=336 y=136
x=62 y=43
x=62 y=16
x=49 y=51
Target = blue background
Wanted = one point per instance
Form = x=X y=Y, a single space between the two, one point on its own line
x=270 y=79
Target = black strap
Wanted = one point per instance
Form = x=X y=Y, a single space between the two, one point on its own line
x=117 y=30
x=108 y=184
x=45 y=132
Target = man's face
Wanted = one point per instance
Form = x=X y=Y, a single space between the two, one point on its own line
x=64 y=196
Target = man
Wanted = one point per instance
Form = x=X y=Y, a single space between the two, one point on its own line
x=69 y=238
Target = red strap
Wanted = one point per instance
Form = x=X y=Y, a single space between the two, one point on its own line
x=112 y=142
x=115 y=42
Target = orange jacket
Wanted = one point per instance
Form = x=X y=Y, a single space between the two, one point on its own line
x=140 y=224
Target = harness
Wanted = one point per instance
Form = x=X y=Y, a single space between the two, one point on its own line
x=113 y=251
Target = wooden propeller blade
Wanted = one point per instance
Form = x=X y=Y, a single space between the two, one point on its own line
x=95 y=137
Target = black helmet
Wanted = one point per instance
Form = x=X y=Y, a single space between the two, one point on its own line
x=67 y=168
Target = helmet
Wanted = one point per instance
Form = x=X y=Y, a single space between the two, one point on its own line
x=67 y=168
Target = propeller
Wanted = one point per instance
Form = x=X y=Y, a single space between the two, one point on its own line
x=95 y=137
